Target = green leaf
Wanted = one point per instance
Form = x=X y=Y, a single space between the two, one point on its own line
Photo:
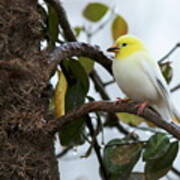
x=137 y=176
x=78 y=30
x=120 y=157
x=95 y=11
x=119 y=27
x=167 y=71
x=53 y=22
x=78 y=86
x=87 y=64
x=71 y=134
x=156 y=147
x=157 y=168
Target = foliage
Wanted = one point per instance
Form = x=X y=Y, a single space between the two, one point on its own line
x=167 y=71
x=159 y=156
x=95 y=11
x=120 y=156
x=119 y=27
x=78 y=86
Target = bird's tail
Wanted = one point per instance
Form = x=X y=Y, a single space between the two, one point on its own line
x=168 y=112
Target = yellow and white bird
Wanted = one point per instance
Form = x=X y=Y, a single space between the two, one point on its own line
x=140 y=78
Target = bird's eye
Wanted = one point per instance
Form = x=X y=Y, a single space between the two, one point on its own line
x=124 y=44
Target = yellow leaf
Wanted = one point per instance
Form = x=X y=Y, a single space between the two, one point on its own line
x=119 y=27
x=59 y=95
x=133 y=119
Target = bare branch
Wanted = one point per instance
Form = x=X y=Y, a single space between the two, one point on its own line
x=175 y=88
x=68 y=50
x=109 y=82
x=96 y=147
x=99 y=85
x=169 y=53
x=175 y=171
x=64 y=152
x=148 y=114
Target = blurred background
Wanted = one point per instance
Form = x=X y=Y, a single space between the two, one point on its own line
x=157 y=23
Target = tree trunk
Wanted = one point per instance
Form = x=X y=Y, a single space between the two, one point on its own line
x=25 y=152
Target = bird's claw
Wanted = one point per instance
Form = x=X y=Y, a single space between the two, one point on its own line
x=141 y=107
x=120 y=100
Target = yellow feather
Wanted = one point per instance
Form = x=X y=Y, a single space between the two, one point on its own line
x=134 y=45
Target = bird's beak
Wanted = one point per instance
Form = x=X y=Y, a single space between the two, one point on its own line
x=114 y=49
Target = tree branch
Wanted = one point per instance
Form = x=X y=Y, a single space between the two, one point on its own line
x=175 y=88
x=99 y=85
x=68 y=50
x=148 y=114
x=73 y=49
x=96 y=147
x=64 y=152
x=63 y=21
x=169 y=53
x=175 y=171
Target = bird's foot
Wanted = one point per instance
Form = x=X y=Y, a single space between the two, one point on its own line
x=141 y=107
x=120 y=100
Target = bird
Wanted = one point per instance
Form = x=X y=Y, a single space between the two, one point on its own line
x=139 y=77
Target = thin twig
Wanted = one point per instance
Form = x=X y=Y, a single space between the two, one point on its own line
x=101 y=26
x=64 y=152
x=99 y=85
x=175 y=171
x=169 y=53
x=96 y=147
x=175 y=88
x=109 y=82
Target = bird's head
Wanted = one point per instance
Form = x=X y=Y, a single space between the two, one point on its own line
x=125 y=46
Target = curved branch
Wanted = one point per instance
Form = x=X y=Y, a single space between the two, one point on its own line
x=68 y=50
x=148 y=114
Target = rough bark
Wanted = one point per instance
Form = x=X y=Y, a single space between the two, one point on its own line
x=24 y=153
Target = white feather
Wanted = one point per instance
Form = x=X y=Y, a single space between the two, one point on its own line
x=140 y=78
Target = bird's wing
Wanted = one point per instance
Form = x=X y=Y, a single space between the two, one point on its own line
x=166 y=106
x=152 y=70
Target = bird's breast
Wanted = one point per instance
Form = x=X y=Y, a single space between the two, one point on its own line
x=133 y=81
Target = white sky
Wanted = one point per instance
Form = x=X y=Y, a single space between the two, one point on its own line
x=157 y=23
